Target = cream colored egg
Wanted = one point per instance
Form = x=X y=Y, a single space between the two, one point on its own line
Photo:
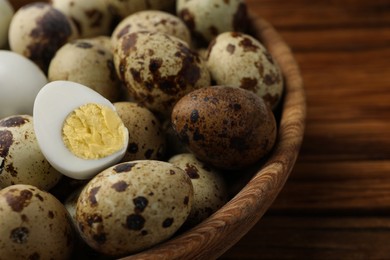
x=239 y=60
x=6 y=13
x=123 y=8
x=33 y=225
x=21 y=160
x=77 y=129
x=88 y=63
x=18 y=92
x=91 y=17
x=146 y=137
x=208 y=18
x=38 y=30
x=210 y=191
x=158 y=69
x=133 y=206
x=152 y=20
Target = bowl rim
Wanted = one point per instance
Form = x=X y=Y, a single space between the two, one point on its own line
x=231 y=222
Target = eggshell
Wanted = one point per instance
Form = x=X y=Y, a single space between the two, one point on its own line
x=132 y=206
x=123 y=8
x=210 y=191
x=88 y=63
x=239 y=60
x=51 y=107
x=33 y=225
x=208 y=18
x=38 y=30
x=227 y=127
x=92 y=18
x=21 y=160
x=158 y=69
x=20 y=82
x=152 y=20
x=6 y=13
x=146 y=137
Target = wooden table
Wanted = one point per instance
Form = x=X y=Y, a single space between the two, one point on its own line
x=336 y=203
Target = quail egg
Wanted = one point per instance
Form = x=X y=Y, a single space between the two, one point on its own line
x=133 y=206
x=227 y=127
x=152 y=20
x=210 y=191
x=208 y=18
x=88 y=63
x=38 y=30
x=124 y=8
x=146 y=138
x=158 y=69
x=239 y=60
x=6 y=13
x=78 y=130
x=33 y=225
x=21 y=160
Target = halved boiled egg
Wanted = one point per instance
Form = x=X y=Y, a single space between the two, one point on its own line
x=78 y=130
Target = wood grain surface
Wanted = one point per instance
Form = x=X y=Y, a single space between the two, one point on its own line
x=336 y=202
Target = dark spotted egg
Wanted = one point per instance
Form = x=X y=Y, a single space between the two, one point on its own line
x=132 y=206
x=227 y=127
x=33 y=225
x=239 y=60
x=158 y=69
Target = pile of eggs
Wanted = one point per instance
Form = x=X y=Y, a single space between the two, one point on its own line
x=121 y=122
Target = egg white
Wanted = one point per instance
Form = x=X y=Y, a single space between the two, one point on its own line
x=54 y=102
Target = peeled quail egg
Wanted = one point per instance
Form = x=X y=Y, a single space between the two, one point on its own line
x=78 y=130
x=6 y=13
x=18 y=92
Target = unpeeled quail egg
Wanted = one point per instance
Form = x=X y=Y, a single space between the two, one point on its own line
x=18 y=92
x=6 y=13
x=123 y=8
x=78 y=130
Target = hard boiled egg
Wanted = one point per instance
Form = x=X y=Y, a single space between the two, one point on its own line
x=78 y=130
x=20 y=82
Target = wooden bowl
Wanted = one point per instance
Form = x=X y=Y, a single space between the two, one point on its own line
x=227 y=226
x=224 y=228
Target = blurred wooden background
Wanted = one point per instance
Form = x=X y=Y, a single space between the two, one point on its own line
x=336 y=203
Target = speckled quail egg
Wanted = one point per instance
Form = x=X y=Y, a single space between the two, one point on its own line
x=38 y=30
x=88 y=63
x=92 y=18
x=124 y=8
x=78 y=130
x=18 y=92
x=208 y=18
x=152 y=20
x=146 y=138
x=237 y=59
x=21 y=160
x=134 y=205
x=210 y=191
x=227 y=127
x=6 y=13
x=33 y=225
x=158 y=69
x=102 y=40
x=174 y=145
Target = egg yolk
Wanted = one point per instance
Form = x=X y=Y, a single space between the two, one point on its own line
x=93 y=131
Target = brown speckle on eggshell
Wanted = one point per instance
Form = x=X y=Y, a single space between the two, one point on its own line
x=133 y=205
